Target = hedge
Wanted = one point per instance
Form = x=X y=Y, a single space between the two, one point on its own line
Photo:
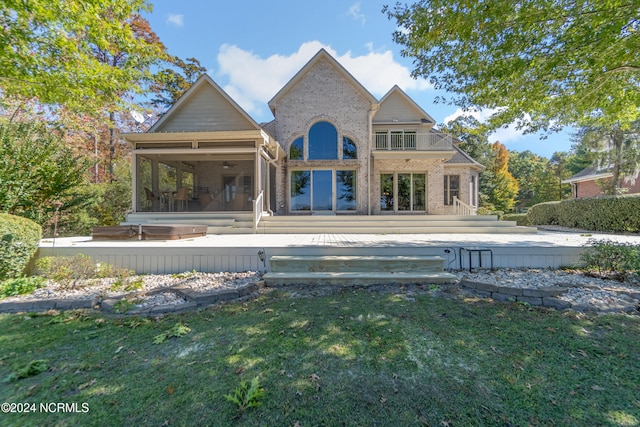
x=606 y=213
x=19 y=239
x=519 y=218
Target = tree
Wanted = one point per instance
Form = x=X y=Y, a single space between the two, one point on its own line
x=36 y=169
x=169 y=84
x=536 y=176
x=49 y=50
x=503 y=188
x=539 y=63
x=613 y=148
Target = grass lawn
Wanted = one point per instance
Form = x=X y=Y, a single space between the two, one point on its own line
x=356 y=358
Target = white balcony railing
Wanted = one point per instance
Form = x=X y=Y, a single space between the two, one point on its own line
x=413 y=141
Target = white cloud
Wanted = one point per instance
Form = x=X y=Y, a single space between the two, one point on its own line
x=252 y=80
x=176 y=20
x=356 y=14
x=507 y=135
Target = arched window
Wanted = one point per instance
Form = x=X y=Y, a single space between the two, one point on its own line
x=296 y=151
x=323 y=142
x=349 y=149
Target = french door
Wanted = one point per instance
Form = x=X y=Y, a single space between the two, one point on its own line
x=323 y=190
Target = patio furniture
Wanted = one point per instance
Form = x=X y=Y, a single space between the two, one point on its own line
x=150 y=198
x=181 y=198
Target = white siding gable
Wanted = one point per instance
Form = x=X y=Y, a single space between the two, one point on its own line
x=206 y=109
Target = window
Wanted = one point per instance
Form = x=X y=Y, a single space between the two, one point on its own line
x=296 y=151
x=403 y=192
x=349 y=149
x=301 y=190
x=323 y=142
x=346 y=190
x=451 y=188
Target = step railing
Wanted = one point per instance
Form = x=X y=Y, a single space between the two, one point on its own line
x=461 y=208
x=258 y=210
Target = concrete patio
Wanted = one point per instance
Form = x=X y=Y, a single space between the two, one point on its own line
x=251 y=252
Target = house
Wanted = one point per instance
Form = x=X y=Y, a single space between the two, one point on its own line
x=588 y=183
x=332 y=148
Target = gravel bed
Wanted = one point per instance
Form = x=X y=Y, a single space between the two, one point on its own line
x=583 y=290
x=105 y=288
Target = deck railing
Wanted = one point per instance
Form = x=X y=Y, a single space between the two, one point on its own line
x=461 y=208
x=413 y=141
x=258 y=209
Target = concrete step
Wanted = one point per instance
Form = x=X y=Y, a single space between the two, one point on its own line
x=348 y=264
x=311 y=229
x=358 y=278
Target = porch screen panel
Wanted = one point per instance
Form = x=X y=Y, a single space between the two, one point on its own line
x=346 y=190
x=386 y=192
x=300 y=190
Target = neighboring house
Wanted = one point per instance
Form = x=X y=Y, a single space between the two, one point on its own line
x=332 y=148
x=588 y=182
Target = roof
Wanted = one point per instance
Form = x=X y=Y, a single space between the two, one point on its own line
x=321 y=55
x=589 y=174
x=462 y=158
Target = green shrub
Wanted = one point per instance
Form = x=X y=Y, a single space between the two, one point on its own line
x=20 y=286
x=611 y=259
x=607 y=213
x=79 y=267
x=520 y=219
x=544 y=214
x=19 y=238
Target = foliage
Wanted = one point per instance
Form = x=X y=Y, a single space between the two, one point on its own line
x=540 y=63
x=168 y=85
x=31 y=369
x=246 y=395
x=539 y=179
x=178 y=330
x=19 y=238
x=520 y=218
x=613 y=148
x=36 y=169
x=502 y=189
x=56 y=51
x=607 y=213
x=65 y=269
x=20 y=286
x=104 y=203
x=612 y=259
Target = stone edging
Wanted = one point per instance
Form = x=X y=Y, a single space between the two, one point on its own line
x=194 y=299
x=547 y=297
x=544 y=297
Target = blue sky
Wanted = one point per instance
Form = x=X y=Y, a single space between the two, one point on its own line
x=251 y=48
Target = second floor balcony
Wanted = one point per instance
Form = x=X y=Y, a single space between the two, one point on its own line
x=412 y=141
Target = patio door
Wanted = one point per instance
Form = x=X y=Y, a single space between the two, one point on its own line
x=322 y=191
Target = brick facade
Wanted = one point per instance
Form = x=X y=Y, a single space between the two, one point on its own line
x=325 y=92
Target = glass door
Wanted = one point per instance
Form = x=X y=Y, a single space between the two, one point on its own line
x=322 y=190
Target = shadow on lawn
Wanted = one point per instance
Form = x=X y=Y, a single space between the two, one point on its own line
x=355 y=358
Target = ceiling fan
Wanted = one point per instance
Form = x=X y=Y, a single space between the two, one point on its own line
x=227 y=165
